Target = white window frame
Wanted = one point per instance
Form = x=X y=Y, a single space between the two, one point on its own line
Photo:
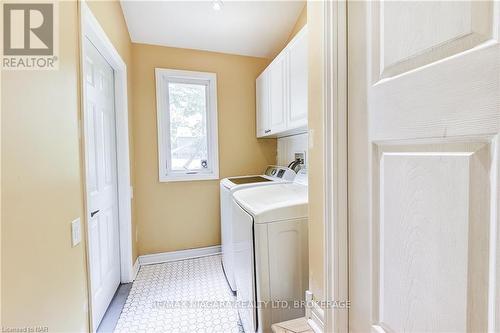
x=165 y=173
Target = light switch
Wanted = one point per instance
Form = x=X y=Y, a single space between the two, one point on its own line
x=76 y=234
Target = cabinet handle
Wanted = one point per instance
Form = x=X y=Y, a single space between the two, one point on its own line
x=93 y=213
x=267 y=131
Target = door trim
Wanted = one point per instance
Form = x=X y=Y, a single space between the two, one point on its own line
x=335 y=163
x=91 y=29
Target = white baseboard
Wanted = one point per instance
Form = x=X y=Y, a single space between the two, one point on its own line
x=158 y=258
x=315 y=314
x=135 y=269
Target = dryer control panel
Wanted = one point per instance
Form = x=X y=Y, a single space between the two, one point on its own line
x=280 y=172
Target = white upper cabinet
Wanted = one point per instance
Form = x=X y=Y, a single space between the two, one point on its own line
x=297 y=59
x=281 y=91
x=262 y=104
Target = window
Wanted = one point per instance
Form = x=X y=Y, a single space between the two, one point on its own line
x=187 y=125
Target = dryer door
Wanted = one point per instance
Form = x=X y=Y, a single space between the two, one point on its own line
x=244 y=268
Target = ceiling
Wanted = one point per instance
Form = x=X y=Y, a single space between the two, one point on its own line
x=251 y=28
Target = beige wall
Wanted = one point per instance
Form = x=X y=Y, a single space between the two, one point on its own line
x=110 y=16
x=316 y=181
x=301 y=21
x=43 y=277
x=182 y=215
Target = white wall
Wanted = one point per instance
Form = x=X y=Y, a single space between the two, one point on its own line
x=290 y=145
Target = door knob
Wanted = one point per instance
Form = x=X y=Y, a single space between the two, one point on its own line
x=93 y=213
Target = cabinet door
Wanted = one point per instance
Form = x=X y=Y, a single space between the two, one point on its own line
x=277 y=94
x=262 y=104
x=297 y=54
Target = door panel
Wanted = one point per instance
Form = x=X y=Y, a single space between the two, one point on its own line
x=100 y=156
x=95 y=250
x=430 y=235
x=424 y=118
x=92 y=158
x=107 y=147
x=412 y=34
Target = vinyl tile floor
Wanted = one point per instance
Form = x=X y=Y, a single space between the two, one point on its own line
x=181 y=296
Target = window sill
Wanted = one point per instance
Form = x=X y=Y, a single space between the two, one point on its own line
x=188 y=178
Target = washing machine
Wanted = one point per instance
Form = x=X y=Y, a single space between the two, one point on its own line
x=228 y=186
x=271 y=253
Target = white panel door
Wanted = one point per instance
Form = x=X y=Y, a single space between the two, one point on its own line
x=424 y=123
x=100 y=144
x=297 y=55
x=262 y=109
x=278 y=94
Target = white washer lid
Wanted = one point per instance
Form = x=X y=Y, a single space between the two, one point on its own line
x=228 y=183
x=274 y=203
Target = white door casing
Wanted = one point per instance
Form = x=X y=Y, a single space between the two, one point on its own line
x=334 y=89
x=424 y=119
x=101 y=180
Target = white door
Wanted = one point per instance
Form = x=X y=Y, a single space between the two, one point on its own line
x=103 y=232
x=424 y=123
x=262 y=104
x=277 y=94
x=297 y=55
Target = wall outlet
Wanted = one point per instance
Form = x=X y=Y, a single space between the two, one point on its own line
x=76 y=232
x=302 y=156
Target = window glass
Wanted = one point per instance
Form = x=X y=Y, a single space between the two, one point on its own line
x=188 y=126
